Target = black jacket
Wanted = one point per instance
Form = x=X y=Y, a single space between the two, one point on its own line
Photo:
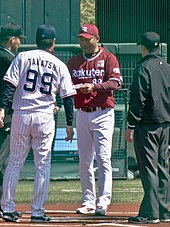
x=150 y=92
x=6 y=57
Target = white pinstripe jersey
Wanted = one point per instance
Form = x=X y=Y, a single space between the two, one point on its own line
x=38 y=76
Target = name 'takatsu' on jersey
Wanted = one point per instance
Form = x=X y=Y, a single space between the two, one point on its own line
x=98 y=69
x=38 y=76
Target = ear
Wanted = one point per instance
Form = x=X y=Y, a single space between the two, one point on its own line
x=53 y=45
x=98 y=38
x=143 y=48
x=11 y=39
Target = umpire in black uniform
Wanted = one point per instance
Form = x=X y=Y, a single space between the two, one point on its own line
x=149 y=127
x=10 y=36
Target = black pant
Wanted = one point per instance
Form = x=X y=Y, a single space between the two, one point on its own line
x=151 y=148
x=4 y=148
x=4 y=155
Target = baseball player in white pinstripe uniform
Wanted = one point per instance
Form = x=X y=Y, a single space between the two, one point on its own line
x=34 y=77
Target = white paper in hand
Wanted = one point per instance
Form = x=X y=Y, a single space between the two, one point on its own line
x=77 y=86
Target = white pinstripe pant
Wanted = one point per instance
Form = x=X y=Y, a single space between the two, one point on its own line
x=28 y=130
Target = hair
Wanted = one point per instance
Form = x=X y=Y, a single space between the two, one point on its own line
x=44 y=43
x=153 y=49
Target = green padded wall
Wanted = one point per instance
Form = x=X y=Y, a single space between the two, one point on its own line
x=64 y=15
x=123 y=21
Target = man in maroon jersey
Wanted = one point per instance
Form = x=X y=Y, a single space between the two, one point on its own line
x=98 y=74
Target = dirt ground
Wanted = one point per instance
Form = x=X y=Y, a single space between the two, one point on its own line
x=63 y=215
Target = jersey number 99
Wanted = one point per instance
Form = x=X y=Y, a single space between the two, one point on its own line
x=32 y=80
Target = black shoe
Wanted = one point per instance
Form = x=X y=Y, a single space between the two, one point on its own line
x=10 y=217
x=143 y=220
x=43 y=218
x=17 y=213
x=1 y=212
x=100 y=211
x=165 y=217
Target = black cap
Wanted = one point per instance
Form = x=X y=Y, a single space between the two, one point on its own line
x=150 y=40
x=45 y=32
x=11 y=29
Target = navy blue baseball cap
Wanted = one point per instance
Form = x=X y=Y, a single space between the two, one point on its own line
x=45 y=32
x=150 y=40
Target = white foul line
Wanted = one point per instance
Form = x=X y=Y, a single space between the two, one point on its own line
x=61 y=225
x=38 y=225
x=74 y=212
x=113 y=224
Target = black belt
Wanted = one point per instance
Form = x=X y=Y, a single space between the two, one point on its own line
x=91 y=109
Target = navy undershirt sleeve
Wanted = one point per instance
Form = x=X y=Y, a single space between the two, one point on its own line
x=7 y=93
x=68 y=106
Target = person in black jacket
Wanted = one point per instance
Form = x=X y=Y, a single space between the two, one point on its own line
x=148 y=127
x=10 y=39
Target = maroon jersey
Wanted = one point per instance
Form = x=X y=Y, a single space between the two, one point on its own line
x=98 y=69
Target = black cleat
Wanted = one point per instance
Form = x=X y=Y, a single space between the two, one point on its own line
x=17 y=213
x=10 y=217
x=43 y=218
x=143 y=220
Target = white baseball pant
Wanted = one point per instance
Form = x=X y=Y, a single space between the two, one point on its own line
x=94 y=136
x=28 y=130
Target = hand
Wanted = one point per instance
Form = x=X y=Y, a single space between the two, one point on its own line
x=70 y=133
x=56 y=109
x=2 y=116
x=129 y=135
x=87 y=88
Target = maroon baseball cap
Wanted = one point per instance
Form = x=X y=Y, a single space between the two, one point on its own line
x=88 y=31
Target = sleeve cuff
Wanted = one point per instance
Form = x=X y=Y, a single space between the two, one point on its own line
x=131 y=126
